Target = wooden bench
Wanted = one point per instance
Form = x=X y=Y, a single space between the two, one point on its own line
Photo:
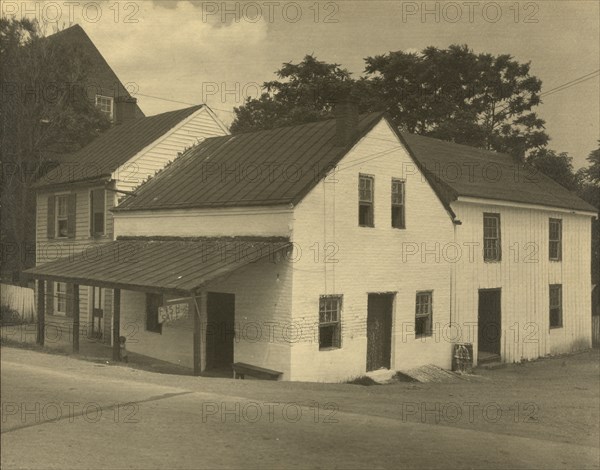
x=240 y=370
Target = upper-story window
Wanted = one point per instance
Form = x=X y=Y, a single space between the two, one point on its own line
x=366 y=186
x=106 y=105
x=97 y=212
x=491 y=237
x=555 y=246
x=398 y=218
x=62 y=216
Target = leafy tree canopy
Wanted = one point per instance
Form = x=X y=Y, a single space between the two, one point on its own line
x=452 y=94
x=45 y=112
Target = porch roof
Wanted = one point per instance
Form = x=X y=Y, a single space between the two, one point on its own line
x=165 y=264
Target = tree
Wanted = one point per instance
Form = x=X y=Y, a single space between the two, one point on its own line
x=45 y=113
x=558 y=166
x=455 y=94
x=304 y=92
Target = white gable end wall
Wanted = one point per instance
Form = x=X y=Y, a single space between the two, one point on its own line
x=200 y=125
x=363 y=260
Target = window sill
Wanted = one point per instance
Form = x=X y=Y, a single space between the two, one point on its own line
x=366 y=226
x=429 y=335
x=555 y=328
x=555 y=260
x=492 y=261
x=330 y=348
x=399 y=228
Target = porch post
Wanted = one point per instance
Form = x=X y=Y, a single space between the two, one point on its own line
x=199 y=302
x=75 y=318
x=41 y=312
x=116 y=353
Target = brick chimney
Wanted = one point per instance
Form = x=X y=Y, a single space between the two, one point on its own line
x=125 y=107
x=346 y=120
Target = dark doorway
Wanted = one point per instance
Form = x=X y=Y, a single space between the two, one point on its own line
x=379 y=331
x=489 y=327
x=220 y=332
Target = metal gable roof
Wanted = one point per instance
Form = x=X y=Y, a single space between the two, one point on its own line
x=280 y=166
x=459 y=170
x=152 y=264
x=114 y=148
x=277 y=166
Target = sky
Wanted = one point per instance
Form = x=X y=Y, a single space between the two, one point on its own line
x=221 y=52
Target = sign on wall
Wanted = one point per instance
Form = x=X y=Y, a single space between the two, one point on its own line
x=173 y=312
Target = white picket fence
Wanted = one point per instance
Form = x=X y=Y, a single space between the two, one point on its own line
x=21 y=299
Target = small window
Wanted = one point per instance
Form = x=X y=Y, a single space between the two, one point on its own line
x=105 y=105
x=365 y=201
x=97 y=212
x=555 y=247
x=62 y=216
x=153 y=301
x=60 y=298
x=329 y=322
x=556 y=306
x=424 y=314
x=398 y=204
x=491 y=237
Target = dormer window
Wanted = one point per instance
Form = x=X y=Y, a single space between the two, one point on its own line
x=106 y=105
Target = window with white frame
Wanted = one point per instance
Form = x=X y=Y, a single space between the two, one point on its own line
x=60 y=298
x=330 y=333
x=556 y=306
x=365 y=200
x=62 y=216
x=555 y=237
x=491 y=237
x=106 y=105
x=424 y=314
x=398 y=203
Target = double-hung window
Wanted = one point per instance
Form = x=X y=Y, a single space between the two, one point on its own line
x=106 y=105
x=365 y=200
x=491 y=237
x=398 y=214
x=424 y=314
x=330 y=321
x=555 y=237
x=60 y=299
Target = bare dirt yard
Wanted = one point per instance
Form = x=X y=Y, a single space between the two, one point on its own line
x=541 y=414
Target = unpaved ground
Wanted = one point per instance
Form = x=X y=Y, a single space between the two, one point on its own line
x=543 y=414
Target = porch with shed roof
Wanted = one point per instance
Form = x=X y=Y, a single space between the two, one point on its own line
x=180 y=268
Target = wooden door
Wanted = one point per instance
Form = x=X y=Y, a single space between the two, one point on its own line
x=220 y=332
x=379 y=331
x=489 y=327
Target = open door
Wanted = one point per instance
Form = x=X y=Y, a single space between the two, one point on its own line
x=220 y=332
x=489 y=326
x=379 y=331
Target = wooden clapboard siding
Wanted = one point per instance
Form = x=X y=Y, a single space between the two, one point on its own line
x=198 y=126
x=54 y=248
x=524 y=275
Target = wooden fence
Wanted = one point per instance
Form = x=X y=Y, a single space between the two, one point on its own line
x=20 y=299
